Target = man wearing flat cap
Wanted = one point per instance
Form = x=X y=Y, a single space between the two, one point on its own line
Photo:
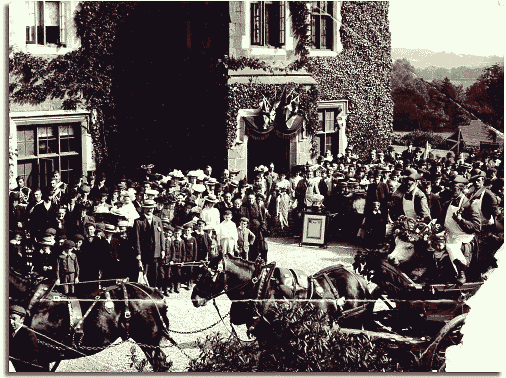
x=413 y=203
x=461 y=221
x=23 y=345
x=483 y=200
x=149 y=241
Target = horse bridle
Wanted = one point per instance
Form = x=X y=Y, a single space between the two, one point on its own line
x=259 y=266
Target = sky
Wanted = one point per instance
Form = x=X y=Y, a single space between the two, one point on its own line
x=472 y=27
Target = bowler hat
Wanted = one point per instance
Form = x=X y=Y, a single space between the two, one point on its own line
x=477 y=173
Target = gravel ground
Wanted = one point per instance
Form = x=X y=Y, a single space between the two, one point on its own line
x=186 y=318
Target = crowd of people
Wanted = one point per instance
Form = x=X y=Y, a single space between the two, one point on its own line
x=161 y=226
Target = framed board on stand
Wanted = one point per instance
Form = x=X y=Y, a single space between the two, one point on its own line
x=314 y=229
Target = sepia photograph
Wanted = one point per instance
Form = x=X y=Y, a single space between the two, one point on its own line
x=254 y=186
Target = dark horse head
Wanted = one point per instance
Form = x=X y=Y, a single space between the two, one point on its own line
x=120 y=310
x=258 y=292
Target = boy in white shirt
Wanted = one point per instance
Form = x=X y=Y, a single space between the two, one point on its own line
x=227 y=234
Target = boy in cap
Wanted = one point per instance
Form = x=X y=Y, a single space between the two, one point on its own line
x=176 y=255
x=191 y=255
x=67 y=267
x=165 y=267
x=245 y=239
x=227 y=234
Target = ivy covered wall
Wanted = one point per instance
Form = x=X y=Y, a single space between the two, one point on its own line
x=361 y=74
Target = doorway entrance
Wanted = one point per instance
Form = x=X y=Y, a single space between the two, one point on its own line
x=262 y=152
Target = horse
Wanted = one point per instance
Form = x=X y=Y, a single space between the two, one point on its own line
x=336 y=291
x=69 y=327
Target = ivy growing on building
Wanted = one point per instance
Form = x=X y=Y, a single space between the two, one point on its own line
x=361 y=74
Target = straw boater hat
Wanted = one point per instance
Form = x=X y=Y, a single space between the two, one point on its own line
x=151 y=192
x=109 y=228
x=149 y=204
x=149 y=166
x=177 y=174
x=211 y=198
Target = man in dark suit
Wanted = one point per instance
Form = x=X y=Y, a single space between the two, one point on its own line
x=149 y=242
x=43 y=213
x=23 y=345
x=271 y=177
x=77 y=221
x=377 y=191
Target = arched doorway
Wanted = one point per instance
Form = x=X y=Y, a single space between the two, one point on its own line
x=272 y=149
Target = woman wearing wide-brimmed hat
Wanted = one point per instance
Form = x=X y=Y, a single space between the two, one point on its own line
x=210 y=214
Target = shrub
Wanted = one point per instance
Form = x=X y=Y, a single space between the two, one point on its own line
x=301 y=341
x=419 y=138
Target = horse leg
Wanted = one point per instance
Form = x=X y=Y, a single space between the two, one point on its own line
x=157 y=358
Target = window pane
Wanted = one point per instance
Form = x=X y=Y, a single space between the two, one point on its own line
x=21 y=149
x=256 y=26
x=64 y=144
x=30 y=148
x=320 y=120
x=21 y=135
x=29 y=134
x=328 y=143
x=52 y=146
x=42 y=146
x=71 y=130
x=63 y=130
x=42 y=131
x=73 y=144
x=320 y=144
x=329 y=120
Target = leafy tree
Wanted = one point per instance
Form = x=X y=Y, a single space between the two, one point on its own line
x=486 y=96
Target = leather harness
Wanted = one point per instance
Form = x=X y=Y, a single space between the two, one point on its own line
x=75 y=311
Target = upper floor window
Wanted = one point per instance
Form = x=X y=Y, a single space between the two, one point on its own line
x=322 y=25
x=268 y=23
x=47 y=22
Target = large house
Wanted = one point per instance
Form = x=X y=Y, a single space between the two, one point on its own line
x=46 y=138
x=200 y=83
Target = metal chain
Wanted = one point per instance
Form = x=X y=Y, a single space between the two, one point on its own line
x=200 y=330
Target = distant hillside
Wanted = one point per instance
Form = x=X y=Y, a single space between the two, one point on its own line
x=421 y=58
x=460 y=69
